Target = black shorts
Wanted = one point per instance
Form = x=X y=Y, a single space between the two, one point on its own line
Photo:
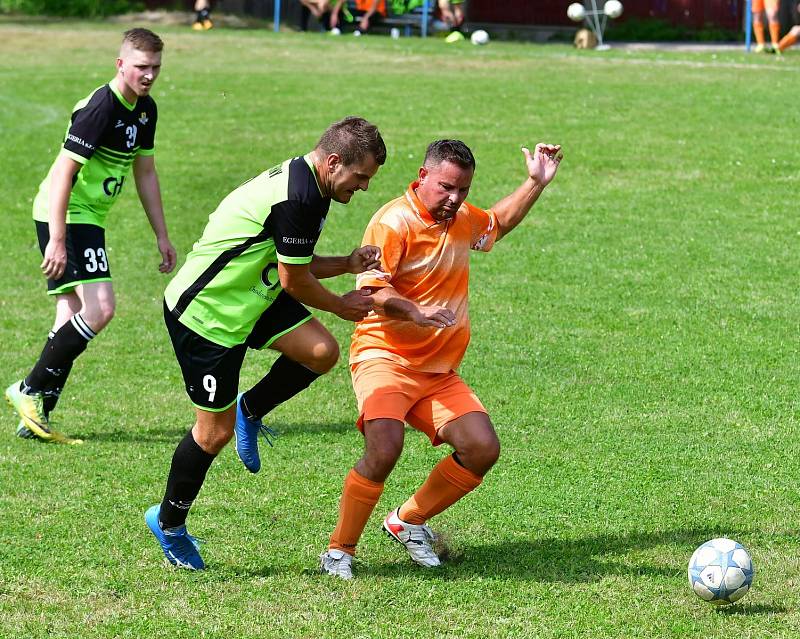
x=87 y=259
x=211 y=371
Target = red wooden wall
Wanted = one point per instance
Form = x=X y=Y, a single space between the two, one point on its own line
x=690 y=13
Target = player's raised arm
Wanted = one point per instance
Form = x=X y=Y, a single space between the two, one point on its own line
x=542 y=166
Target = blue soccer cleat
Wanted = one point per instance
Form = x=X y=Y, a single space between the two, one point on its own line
x=180 y=548
x=247 y=431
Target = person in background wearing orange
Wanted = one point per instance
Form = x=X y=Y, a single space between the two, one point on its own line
x=404 y=356
x=770 y=7
x=365 y=12
x=790 y=38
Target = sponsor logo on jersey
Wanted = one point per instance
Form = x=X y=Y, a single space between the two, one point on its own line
x=269 y=276
x=112 y=186
x=297 y=240
x=143 y=118
x=81 y=141
x=119 y=124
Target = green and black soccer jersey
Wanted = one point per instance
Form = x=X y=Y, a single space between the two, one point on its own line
x=231 y=275
x=105 y=134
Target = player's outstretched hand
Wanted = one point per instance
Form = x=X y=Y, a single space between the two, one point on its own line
x=356 y=305
x=168 y=256
x=543 y=163
x=436 y=316
x=55 y=260
x=364 y=258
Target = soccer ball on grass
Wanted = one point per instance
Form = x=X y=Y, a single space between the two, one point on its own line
x=721 y=571
x=479 y=37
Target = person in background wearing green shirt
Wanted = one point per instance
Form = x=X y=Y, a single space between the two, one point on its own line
x=110 y=130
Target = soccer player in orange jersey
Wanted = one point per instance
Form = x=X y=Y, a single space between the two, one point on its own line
x=770 y=7
x=404 y=356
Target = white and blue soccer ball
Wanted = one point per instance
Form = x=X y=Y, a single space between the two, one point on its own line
x=721 y=571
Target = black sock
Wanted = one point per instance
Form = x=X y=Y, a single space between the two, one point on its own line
x=305 y=16
x=190 y=463
x=203 y=14
x=69 y=341
x=325 y=20
x=285 y=379
x=53 y=390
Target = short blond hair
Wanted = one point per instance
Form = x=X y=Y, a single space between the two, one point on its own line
x=142 y=40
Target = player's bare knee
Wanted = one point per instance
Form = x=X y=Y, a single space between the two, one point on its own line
x=380 y=460
x=213 y=441
x=324 y=355
x=480 y=453
x=99 y=315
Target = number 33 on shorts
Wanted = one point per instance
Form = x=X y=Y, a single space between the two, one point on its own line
x=96 y=260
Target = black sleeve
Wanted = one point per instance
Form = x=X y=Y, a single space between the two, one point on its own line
x=148 y=139
x=89 y=125
x=295 y=229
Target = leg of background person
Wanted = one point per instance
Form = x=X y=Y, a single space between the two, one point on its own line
x=67 y=305
x=307 y=352
x=476 y=450
x=383 y=443
x=774 y=26
x=191 y=461
x=758 y=29
x=789 y=39
x=72 y=338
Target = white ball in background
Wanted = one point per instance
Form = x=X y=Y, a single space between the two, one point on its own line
x=576 y=12
x=479 y=37
x=356 y=33
x=613 y=8
x=336 y=31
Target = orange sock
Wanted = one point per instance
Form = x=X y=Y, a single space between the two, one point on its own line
x=359 y=497
x=758 y=30
x=788 y=40
x=447 y=483
x=775 y=32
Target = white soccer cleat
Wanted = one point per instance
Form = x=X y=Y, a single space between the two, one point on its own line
x=417 y=538
x=337 y=563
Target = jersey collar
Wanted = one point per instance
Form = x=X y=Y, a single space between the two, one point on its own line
x=113 y=86
x=418 y=206
x=310 y=162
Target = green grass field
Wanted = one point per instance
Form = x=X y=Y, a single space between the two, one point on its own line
x=635 y=341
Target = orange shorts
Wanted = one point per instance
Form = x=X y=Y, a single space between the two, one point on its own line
x=757 y=6
x=427 y=401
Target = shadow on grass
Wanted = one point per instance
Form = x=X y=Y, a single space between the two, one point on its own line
x=174 y=433
x=563 y=560
x=744 y=609
x=132 y=435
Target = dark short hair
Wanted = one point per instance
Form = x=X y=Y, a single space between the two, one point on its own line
x=143 y=40
x=352 y=139
x=454 y=151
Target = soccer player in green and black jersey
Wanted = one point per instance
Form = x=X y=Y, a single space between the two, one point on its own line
x=110 y=131
x=244 y=285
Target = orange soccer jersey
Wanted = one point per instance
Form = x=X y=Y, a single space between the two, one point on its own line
x=427 y=262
